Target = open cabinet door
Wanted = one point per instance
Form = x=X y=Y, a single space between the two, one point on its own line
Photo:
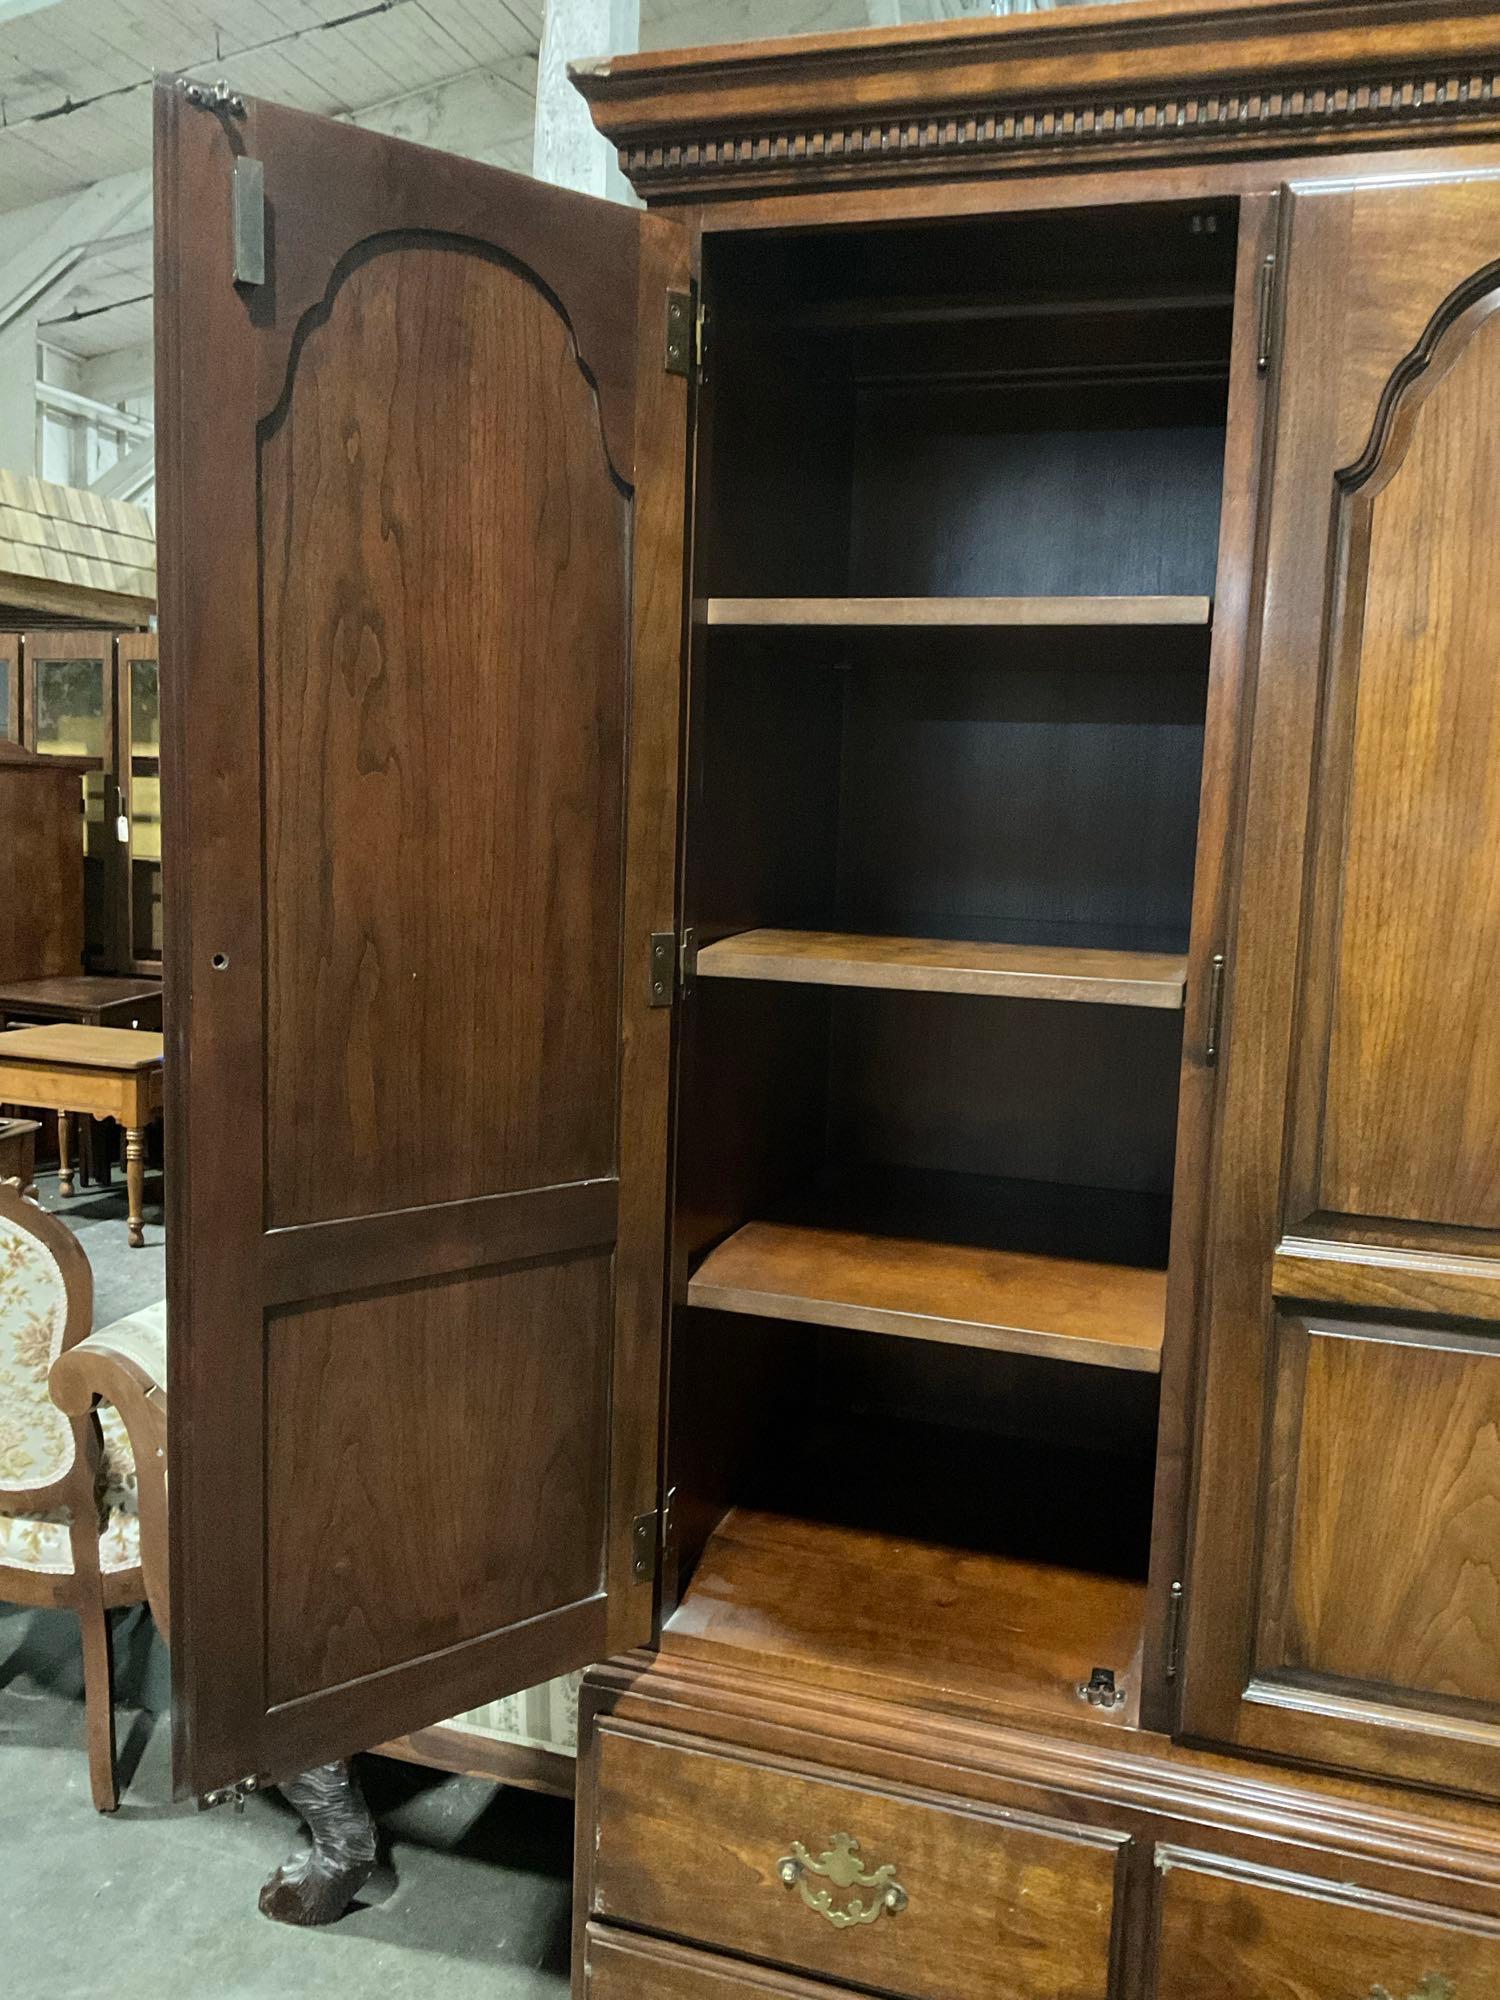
x=420 y=478
x=1344 y=1596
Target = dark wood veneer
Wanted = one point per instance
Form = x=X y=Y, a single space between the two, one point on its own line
x=1085 y=595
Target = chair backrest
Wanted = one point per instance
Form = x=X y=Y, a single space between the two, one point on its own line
x=46 y=1305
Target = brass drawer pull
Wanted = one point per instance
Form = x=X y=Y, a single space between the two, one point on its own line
x=842 y=1866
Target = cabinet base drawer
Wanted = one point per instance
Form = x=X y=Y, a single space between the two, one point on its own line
x=1230 y=1931
x=617 y=1966
x=909 y=1892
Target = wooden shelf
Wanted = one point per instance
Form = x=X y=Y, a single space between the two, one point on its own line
x=957 y=611
x=1073 y=1274
x=935 y=965
x=871 y=1613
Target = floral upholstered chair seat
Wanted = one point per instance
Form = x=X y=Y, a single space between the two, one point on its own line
x=39 y=1540
x=70 y=1505
x=36 y=1439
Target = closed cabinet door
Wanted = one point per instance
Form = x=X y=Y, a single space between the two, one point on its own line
x=138 y=691
x=1344 y=1590
x=421 y=460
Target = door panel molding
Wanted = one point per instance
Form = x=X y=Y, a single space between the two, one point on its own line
x=391 y=241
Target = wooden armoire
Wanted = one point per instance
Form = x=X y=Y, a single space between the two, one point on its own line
x=833 y=926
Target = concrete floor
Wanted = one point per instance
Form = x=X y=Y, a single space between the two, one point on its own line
x=157 y=1902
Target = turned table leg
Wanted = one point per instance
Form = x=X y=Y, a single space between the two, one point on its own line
x=135 y=1182
x=317 y=1887
x=65 y=1152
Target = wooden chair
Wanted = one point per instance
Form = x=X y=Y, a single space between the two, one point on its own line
x=70 y=1527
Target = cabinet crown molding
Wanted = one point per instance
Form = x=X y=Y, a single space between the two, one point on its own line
x=1149 y=80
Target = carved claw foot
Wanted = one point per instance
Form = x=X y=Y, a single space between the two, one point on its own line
x=318 y=1886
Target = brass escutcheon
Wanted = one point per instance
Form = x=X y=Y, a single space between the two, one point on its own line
x=841 y=1865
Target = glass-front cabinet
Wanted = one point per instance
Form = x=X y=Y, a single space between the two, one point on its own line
x=139 y=726
x=70 y=712
x=94 y=696
x=10 y=686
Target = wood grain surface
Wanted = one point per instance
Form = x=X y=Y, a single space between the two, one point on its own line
x=443 y=741
x=620 y=1966
x=842 y=1607
x=936 y=965
x=1411 y=1092
x=1382 y=1569
x=405 y=1430
x=1010 y=1301
x=69 y=1042
x=1242 y=1932
x=1000 y=1906
x=1435 y=1283
x=958 y=611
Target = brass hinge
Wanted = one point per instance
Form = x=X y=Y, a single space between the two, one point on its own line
x=1215 y=1009
x=663 y=987
x=1266 y=316
x=687 y=336
x=674 y=960
x=680 y=333
x=230 y=1795
x=1174 y=1632
x=645 y=1546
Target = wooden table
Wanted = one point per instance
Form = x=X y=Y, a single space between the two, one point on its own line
x=95 y=1000
x=104 y=1072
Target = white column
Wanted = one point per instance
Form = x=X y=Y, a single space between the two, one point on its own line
x=18 y=415
x=566 y=149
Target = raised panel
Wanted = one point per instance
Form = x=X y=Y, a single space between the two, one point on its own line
x=431 y=1475
x=1382 y=1553
x=1405 y=924
x=449 y=832
x=1233 y=1932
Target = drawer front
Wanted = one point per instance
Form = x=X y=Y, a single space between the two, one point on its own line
x=929 y=1897
x=620 y=1967
x=1231 y=1932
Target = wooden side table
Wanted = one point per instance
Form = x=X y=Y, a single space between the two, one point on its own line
x=103 y=1072
x=94 y=1000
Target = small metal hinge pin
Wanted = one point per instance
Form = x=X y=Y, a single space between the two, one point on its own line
x=1174 y=1631
x=1215 y=1009
x=1266 y=334
x=213 y=96
x=229 y=1795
